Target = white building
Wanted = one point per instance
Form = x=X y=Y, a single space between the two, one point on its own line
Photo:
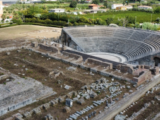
x=144 y=7
x=57 y=10
x=114 y=6
x=129 y=7
x=1 y=10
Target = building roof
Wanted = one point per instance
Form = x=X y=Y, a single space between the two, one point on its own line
x=117 y=4
x=128 y=5
x=144 y=6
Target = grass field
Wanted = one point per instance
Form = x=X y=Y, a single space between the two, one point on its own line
x=140 y=16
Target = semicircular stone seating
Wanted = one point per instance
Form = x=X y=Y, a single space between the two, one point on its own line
x=130 y=43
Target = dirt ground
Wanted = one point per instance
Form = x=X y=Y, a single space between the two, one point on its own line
x=28 y=32
x=39 y=67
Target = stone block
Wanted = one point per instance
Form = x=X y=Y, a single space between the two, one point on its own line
x=37 y=111
x=61 y=99
x=81 y=101
x=27 y=114
x=69 y=95
x=46 y=106
x=69 y=102
x=53 y=103
x=67 y=109
x=93 y=95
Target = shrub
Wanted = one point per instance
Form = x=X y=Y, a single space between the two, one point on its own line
x=48 y=21
x=95 y=2
x=157 y=10
x=18 y=21
x=33 y=20
x=73 y=4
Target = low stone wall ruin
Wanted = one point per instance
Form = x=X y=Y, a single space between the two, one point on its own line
x=20 y=92
x=99 y=63
x=72 y=55
x=125 y=68
x=48 y=48
x=146 y=75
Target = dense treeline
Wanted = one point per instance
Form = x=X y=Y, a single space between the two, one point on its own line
x=36 y=14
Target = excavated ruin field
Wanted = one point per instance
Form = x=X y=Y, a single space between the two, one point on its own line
x=13 y=43
x=26 y=63
x=151 y=111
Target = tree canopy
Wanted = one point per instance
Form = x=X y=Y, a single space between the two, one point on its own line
x=105 y=4
x=95 y=1
x=73 y=4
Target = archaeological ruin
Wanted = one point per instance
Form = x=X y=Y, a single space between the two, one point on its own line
x=90 y=72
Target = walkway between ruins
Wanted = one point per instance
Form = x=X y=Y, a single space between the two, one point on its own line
x=108 y=114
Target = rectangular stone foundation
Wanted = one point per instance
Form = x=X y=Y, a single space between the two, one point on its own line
x=21 y=92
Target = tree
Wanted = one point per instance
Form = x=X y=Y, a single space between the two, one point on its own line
x=73 y=4
x=83 y=20
x=52 y=16
x=157 y=10
x=158 y=20
x=124 y=2
x=17 y=20
x=124 y=21
x=127 y=2
x=95 y=2
x=105 y=4
x=82 y=1
x=43 y=1
x=109 y=20
x=43 y=16
x=4 y=16
x=139 y=1
x=18 y=2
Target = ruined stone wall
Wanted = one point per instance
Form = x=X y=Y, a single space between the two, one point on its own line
x=48 y=48
x=20 y=92
x=107 y=64
x=125 y=68
x=155 y=70
x=72 y=55
x=99 y=63
x=142 y=78
x=34 y=44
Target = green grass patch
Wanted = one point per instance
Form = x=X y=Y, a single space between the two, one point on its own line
x=140 y=16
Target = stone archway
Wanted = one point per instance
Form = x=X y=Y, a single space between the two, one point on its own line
x=156 y=60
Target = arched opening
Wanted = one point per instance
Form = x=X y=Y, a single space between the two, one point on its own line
x=157 y=61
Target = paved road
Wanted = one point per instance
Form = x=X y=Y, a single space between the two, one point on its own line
x=124 y=103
